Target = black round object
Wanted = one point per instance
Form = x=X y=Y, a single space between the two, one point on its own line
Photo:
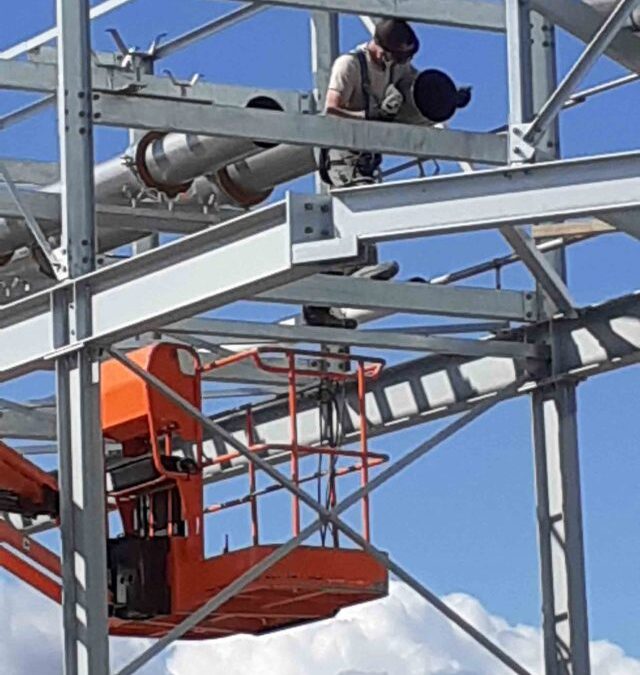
x=264 y=103
x=435 y=95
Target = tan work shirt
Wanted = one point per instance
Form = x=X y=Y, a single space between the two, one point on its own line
x=346 y=79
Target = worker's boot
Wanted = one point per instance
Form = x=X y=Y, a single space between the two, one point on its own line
x=330 y=317
x=333 y=316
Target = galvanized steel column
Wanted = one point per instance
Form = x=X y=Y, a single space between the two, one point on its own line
x=83 y=516
x=556 y=453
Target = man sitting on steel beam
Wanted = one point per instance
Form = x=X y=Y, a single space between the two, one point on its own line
x=377 y=81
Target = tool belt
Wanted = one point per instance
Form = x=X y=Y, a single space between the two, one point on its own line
x=357 y=166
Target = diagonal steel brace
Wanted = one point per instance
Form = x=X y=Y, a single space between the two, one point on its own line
x=52 y=256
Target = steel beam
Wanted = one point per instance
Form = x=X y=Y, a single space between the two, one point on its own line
x=27 y=111
x=126 y=298
x=543 y=272
x=45 y=207
x=31 y=172
x=559 y=515
x=602 y=338
x=564 y=611
x=188 y=276
x=521 y=109
x=40 y=75
x=473 y=14
x=24 y=421
x=325 y=48
x=487 y=199
x=298 y=129
x=407 y=297
x=357 y=338
x=583 y=22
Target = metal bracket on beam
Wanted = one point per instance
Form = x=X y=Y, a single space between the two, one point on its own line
x=520 y=149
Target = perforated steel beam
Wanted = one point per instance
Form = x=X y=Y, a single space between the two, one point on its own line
x=559 y=514
x=600 y=339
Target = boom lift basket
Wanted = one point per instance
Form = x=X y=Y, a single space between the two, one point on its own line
x=158 y=571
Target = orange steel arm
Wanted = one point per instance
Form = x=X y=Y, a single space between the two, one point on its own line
x=30 y=561
x=24 y=487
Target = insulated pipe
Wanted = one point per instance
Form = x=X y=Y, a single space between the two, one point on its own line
x=165 y=162
x=605 y=7
x=169 y=162
x=250 y=181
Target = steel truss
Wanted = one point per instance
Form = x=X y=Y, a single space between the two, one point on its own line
x=538 y=343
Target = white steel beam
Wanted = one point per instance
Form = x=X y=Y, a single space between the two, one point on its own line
x=559 y=515
x=474 y=14
x=298 y=129
x=126 y=299
x=325 y=48
x=191 y=275
x=488 y=199
x=521 y=108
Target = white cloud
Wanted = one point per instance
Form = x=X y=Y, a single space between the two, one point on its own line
x=400 y=635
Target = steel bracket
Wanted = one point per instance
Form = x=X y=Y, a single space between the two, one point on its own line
x=313 y=234
x=520 y=150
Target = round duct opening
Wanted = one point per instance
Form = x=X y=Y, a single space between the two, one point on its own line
x=264 y=103
x=435 y=95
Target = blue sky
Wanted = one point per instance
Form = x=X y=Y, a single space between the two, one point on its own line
x=463 y=519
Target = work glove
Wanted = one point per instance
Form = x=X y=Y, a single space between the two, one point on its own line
x=391 y=103
x=463 y=97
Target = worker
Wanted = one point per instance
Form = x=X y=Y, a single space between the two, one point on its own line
x=371 y=83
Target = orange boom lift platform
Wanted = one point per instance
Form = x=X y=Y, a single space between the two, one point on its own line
x=157 y=568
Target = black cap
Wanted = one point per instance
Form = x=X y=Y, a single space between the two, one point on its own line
x=396 y=36
x=435 y=95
